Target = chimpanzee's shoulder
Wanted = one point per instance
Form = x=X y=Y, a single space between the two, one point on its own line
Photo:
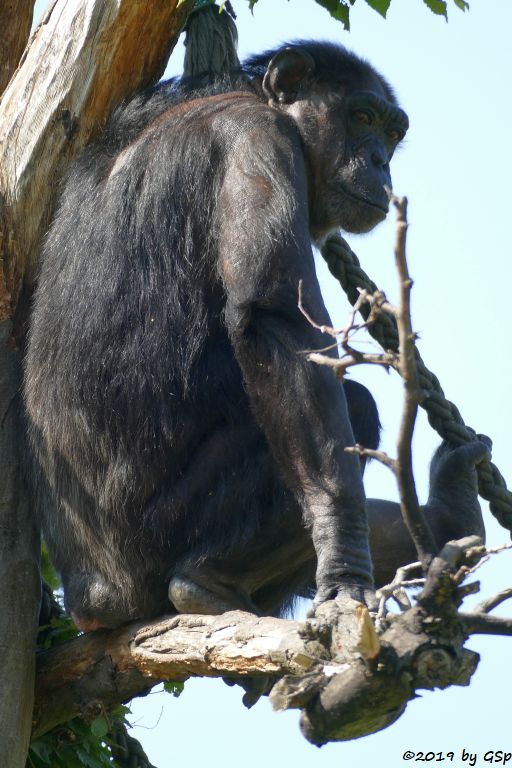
x=233 y=108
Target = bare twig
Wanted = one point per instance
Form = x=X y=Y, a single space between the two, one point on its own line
x=382 y=456
x=352 y=326
x=488 y=554
x=409 y=504
x=492 y=602
x=322 y=328
x=482 y=624
x=377 y=302
x=396 y=590
x=340 y=365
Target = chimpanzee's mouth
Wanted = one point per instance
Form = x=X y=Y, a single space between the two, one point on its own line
x=381 y=205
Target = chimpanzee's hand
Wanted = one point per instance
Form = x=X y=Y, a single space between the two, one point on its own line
x=452 y=509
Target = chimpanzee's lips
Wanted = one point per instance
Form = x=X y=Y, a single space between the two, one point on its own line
x=381 y=204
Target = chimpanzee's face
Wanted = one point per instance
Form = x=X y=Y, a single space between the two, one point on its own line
x=349 y=140
x=350 y=127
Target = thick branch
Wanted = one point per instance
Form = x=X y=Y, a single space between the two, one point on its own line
x=348 y=680
x=19 y=570
x=107 y=667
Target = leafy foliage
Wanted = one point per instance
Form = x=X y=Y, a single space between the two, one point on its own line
x=174 y=687
x=340 y=9
x=77 y=743
x=381 y=6
x=48 y=572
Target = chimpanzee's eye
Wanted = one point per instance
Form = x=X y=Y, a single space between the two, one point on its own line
x=363 y=116
x=395 y=134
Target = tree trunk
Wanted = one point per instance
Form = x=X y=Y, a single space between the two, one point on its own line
x=83 y=59
x=19 y=571
x=15 y=23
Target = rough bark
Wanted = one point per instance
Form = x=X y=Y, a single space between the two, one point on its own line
x=83 y=58
x=19 y=573
x=15 y=23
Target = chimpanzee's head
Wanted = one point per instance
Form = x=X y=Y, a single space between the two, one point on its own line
x=350 y=125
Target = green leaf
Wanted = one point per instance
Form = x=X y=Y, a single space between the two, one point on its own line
x=66 y=756
x=41 y=750
x=174 y=687
x=99 y=727
x=338 y=9
x=462 y=5
x=120 y=711
x=48 y=572
x=104 y=759
x=62 y=628
x=87 y=760
x=381 y=6
x=79 y=728
x=33 y=761
x=437 y=6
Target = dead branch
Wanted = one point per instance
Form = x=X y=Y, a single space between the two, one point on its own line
x=370 y=453
x=409 y=504
x=397 y=590
x=405 y=363
x=481 y=624
x=347 y=679
x=492 y=602
x=340 y=365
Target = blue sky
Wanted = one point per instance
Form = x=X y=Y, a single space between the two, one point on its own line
x=454 y=80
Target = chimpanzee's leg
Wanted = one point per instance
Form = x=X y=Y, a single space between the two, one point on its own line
x=265 y=572
x=263 y=577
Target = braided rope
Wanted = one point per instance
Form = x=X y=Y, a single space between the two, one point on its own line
x=211 y=41
x=126 y=751
x=443 y=415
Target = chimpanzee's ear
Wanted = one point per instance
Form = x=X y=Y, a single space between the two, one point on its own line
x=287 y=73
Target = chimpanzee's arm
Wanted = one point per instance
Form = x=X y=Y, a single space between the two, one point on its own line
x=264 y=250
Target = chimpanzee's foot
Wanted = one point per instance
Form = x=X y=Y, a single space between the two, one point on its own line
x=254 y=687
x=345 y=595
x=201 y=592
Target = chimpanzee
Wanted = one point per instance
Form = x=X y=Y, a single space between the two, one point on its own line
x=185 y=451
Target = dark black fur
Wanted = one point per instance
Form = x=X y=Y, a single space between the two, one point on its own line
x=177 y=432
